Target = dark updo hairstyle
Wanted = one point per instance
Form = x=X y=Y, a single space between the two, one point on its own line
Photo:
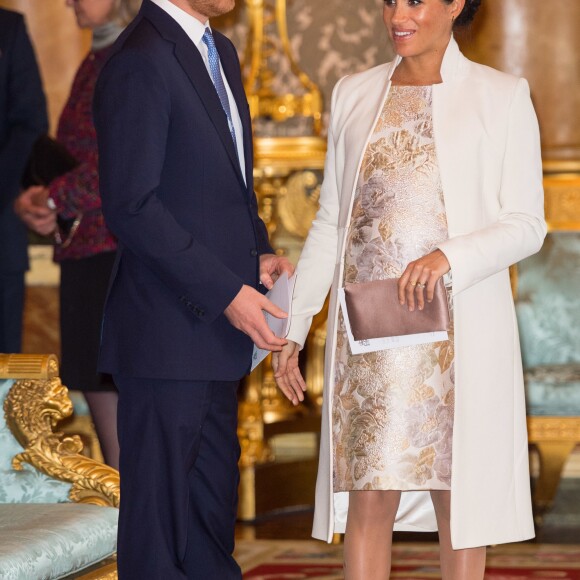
x=468 y=12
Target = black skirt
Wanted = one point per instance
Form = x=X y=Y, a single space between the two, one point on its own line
x=83 y=289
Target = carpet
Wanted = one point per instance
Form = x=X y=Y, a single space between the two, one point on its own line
x=295 y=560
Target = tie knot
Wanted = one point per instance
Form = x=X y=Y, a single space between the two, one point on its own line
x=208 y=38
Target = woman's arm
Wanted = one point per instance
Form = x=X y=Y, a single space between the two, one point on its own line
x=520 y=228
x=315 y=268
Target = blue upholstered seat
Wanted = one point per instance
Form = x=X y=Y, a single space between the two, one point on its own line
x=553 y=390
x=548 y=311
x=54 y=540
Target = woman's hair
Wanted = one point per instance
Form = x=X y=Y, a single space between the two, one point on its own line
x=468 y=12
x=124 y=11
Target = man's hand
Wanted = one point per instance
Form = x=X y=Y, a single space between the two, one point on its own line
x=31 y=207
x=271 y=266
x=245 y=313
x=287 y=373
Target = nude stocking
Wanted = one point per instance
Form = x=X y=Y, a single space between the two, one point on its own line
x=369 y=532
x=468 y=564
x=103 y=406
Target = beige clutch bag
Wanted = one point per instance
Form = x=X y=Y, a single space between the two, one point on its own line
x=374 y=311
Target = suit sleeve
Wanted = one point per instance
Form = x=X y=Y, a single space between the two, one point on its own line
x=132 y=117
x=316 y=265
x=26 y=114
x=520 y=229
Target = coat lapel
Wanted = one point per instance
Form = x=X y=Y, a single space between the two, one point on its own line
x=367 y=105
x=192 y=63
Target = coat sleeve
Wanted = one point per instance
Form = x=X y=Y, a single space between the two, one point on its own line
x=26 y=113
x=520 y=228
x=132 y=111
x=317 y=261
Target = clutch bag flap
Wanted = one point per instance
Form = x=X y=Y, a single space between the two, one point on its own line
x=374 y=311
x=48 y=160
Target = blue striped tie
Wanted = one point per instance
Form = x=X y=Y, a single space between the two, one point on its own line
x=218 y=81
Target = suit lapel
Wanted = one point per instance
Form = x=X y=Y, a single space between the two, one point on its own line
x=231 y=68
x=192 y=63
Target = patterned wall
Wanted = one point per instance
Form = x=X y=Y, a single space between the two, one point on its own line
x=330 y=38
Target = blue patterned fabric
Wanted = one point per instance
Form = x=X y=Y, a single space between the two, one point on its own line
x=548 y=311
x=548 y=304
x=51 y=541
x=80 y=405
x=29 y=485
x=218 y=81
x=553 y=390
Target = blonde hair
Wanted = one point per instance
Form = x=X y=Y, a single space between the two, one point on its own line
x=124 y=11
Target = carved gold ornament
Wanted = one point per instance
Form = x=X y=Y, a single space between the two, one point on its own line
x=33 y=407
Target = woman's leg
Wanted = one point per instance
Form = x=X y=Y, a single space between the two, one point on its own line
x=468 y=564
x=103 y=406
x=369 y=534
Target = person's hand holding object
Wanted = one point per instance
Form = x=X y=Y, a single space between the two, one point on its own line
x=245 y=314
x=420 y=277
x=32 y=209
x=272 y=266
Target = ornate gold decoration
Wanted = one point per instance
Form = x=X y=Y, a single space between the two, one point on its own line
x=562 y=201
x=554 y=438
x=265 y=16
x=108 y=572
x=298 y=203
x=289 y=158
x=33 y=407
x=570 y=166
x=288 y=172
x=278 y=155
x=28 y=366
x=553 y=428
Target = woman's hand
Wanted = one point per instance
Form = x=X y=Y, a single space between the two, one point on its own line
x=287 y=372
x=420 y=277
x=31 y=206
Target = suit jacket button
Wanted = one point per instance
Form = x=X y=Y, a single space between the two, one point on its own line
x=253 y=253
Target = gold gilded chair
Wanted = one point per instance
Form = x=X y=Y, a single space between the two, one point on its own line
x=58 y=516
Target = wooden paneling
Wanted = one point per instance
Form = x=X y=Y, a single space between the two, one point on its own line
x=538 y=40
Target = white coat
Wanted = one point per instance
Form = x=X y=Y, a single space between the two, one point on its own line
x=488 y=149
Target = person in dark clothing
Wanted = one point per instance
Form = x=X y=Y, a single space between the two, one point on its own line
x=22 y=119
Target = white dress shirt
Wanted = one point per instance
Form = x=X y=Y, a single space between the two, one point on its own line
x=195 y=29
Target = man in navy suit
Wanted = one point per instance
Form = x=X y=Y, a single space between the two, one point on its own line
x=183 y=309
x=22 y=120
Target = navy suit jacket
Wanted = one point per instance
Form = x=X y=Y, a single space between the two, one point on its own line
x=174 y=195
x=22 y=120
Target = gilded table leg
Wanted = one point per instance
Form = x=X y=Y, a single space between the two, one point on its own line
x=553 y=456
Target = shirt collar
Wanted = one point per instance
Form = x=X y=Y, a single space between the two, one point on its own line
x=192 y=26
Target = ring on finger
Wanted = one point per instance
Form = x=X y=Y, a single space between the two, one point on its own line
x=412 y=283
x=419 y=285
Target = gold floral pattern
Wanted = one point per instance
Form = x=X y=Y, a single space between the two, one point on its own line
x=393 y=409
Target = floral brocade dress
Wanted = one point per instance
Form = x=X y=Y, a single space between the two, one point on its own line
x=393 y=409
